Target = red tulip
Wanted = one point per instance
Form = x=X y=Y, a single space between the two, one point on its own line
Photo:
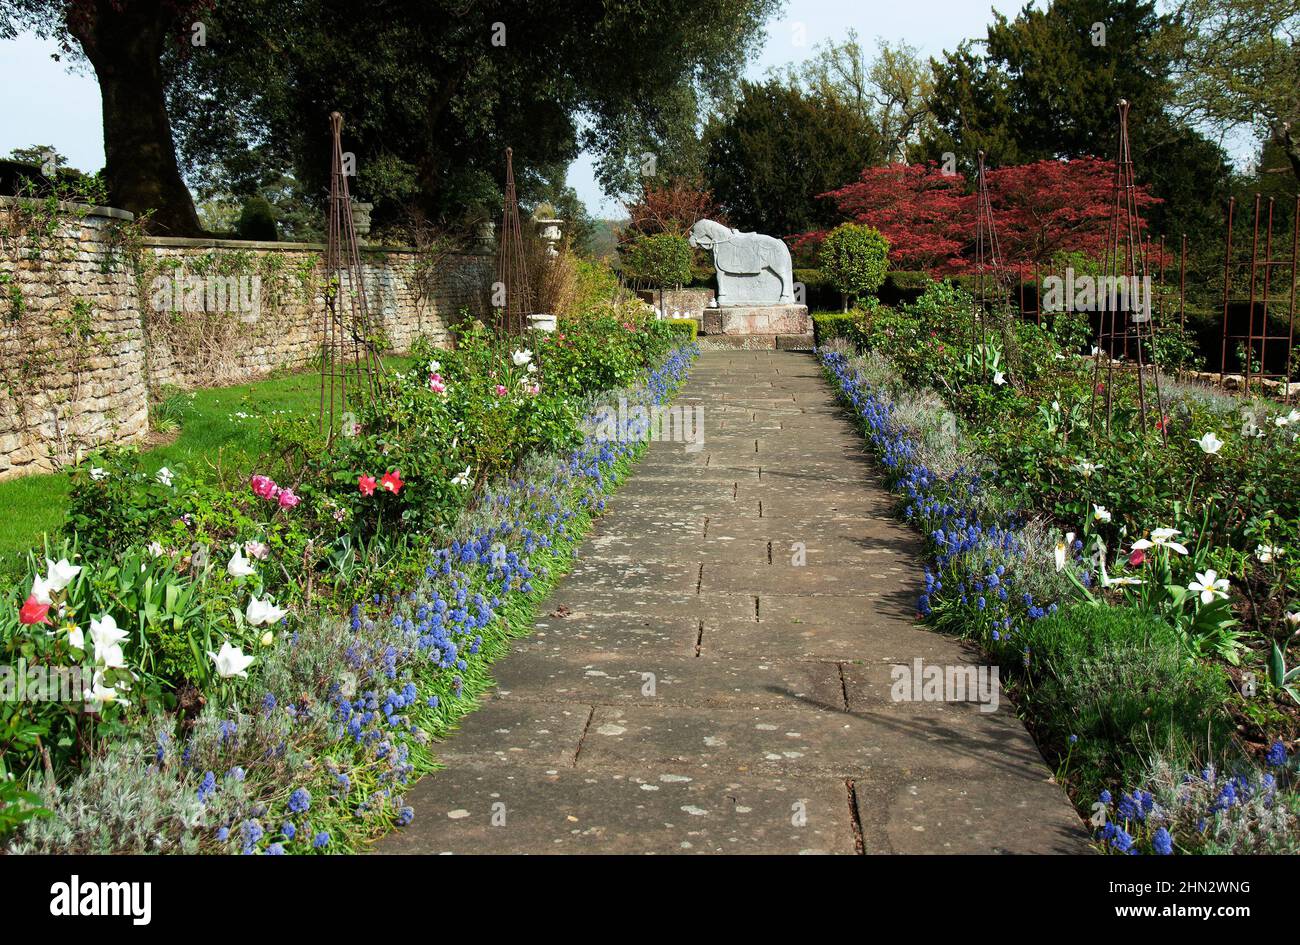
x=33 y=611
x=392 y=481
x=366 y=484
x=1138 y=556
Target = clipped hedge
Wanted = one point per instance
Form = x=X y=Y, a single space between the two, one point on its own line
x=827 y=326
x=818 y=291
x=684 y=326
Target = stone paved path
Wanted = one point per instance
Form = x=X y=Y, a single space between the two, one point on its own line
x=767 y=724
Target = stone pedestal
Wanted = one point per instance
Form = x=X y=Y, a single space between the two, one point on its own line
x=757 y=326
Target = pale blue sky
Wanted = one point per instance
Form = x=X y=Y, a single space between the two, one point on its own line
x=43 y=103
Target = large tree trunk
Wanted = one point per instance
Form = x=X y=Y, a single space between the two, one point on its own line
x=124 y=43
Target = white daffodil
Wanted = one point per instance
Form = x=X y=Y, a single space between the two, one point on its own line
x=1161 y=538
x=1209 y=444
x=260 y=613
x=461 y=478
x=521 y=357
x=1266 y=553
x=999 y=378
x=165 y=476
x=1061 y=548
x=231 y=661
x=59 y=574
x=98 y=473
x=1100 y=513
x=1210 y=586
x=238 y=566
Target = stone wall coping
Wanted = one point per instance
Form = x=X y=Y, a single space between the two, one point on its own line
x=112 y=213
x=186 y=242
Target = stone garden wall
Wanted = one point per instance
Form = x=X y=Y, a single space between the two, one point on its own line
x=94 y=317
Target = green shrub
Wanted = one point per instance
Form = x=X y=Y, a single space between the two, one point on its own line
x=854 y=259
x=660 y=260
x=597 y=284
x=1117 y=680
x=257 y=221
x=683 y=326
x=827 y=326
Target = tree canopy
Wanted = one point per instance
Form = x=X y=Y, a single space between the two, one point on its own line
x=1046 y=85
x=770 y=159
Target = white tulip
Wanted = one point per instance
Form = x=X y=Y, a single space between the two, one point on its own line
x=1209 y=444
x=231 y=661
x=41 y=589
x=239 y=566
x=999 y=378
x=268 y=638
x=1061 y=548
x=261 y=613
x=98 y=473
x=1122 y=582
x=1266 y=553
x=1209 y=585
x=1161 y=538
x=164 y=476
x=461 y=478
x=96 y=697
x=110 y=657
x=107 y=637
x=58 y=575
x=1100 y=513
x=521 y=357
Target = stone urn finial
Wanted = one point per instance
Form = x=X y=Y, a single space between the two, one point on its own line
x=550 y=230
x=361 y=219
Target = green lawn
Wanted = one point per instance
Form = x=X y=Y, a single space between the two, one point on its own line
x=220 y=428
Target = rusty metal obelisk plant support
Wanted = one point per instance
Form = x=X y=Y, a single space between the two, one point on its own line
x=990 y=277
x=512 y=296
x=1267 y=273
x=350 y=368
x=1125 y=311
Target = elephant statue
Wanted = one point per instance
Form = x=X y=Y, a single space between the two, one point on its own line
x=753 y=269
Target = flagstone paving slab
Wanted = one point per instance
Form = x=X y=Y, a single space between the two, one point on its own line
x=718 y=672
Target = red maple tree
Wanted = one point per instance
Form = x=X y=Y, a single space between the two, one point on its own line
x=673 y=208
x=1051 y=207
x=1039 y=210
x=924 y=213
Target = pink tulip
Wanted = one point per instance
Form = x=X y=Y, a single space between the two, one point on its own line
x=501 y=390
x=264 y=487
x=288 y=499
